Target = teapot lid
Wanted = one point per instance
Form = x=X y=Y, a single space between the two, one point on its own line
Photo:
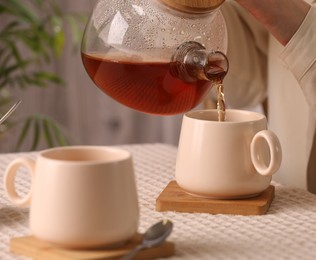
x=194 y=6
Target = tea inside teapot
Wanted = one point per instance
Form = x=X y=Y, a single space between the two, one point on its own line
x=137 y=53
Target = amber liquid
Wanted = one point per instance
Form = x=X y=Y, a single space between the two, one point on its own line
x=145 y=86
x=221 y=105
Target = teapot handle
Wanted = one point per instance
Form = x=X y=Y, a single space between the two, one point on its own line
x=9 y=181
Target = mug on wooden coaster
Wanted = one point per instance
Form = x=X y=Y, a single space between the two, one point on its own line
x=80 y=197
x=235 y=158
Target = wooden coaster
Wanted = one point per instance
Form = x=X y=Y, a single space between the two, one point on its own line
x=39 y=250
x=173 y=198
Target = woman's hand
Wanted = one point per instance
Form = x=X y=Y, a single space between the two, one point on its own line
x=282 y=18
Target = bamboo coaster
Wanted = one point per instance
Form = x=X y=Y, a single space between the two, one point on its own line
x=39 y=250
x=173 y=198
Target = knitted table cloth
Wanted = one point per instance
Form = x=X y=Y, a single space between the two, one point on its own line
x=287 y=231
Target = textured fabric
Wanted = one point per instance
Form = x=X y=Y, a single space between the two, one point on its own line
x=287 y=231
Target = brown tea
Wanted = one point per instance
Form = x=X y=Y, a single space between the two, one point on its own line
x=221 y=106
x=145 y=86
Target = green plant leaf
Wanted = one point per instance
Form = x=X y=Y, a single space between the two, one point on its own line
x=9 y=28
x=59 y=40
x=42 y=127
x=4 y=101
x=58 y=36
x=59 y=135
x=2 y=9
x=6 y=71
x=36 y=133
x=33 y=36
x=18 y=9
x=14 y=51
x=47 y=76
x=47 y=133
x=23 y=133
x=5 y=57
x=38 y=2
x=56 y=10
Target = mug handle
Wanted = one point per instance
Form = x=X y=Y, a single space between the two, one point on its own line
x=257 y=156
x=9 y=180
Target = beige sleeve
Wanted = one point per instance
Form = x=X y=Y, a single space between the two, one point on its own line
x=245 y=83
x=300 y=58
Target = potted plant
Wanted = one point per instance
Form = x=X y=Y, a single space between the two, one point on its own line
x=32 y=33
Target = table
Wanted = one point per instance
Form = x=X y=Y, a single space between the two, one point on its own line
x=287 y=231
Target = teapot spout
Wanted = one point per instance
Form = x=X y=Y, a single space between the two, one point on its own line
x=217 y=66
x=192 y=61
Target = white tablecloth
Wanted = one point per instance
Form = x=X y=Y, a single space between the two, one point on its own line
x=287 y=231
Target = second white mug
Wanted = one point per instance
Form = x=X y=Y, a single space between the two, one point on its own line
x=231 y=159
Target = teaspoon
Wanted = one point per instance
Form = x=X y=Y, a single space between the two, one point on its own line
x=154 y=236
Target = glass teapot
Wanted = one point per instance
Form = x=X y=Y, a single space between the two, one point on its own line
x=158 y=56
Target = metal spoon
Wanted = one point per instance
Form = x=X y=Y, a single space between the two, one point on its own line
x=154 y=236
x=11 y=110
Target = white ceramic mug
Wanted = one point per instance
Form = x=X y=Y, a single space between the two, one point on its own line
x=80 y=197
x=231 y=159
